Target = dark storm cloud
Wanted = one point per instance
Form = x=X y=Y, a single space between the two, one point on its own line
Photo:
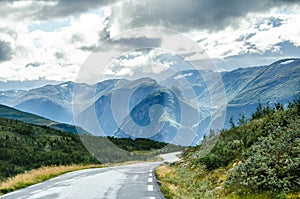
x=129 y=43
x=191 y=14
x=137 y=42
x=179 y=15
x=88 y=48
x=50 y=9
x=59 y=55
x=71 y=7
x=5 y=51
x=35 y=64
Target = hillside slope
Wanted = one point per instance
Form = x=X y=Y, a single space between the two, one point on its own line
x=260 y=158
x=26 y=146
x=14 y=114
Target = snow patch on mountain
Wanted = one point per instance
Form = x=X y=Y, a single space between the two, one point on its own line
x=287 y=62
x=182 y=76
x=64 y=85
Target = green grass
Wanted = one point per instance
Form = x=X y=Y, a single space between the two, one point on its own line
x=258 y=159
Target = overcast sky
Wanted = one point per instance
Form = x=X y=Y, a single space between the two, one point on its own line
x=50 y=40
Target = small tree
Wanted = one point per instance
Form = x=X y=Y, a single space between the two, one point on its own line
x=232 y=124
x=259 y=111
x=278 y=106
x=242 y=119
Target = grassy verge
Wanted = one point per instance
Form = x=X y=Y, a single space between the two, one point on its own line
x=180 y=182
x=164 y=175
x=39 y=175
x=185 y=182
x=44 y=173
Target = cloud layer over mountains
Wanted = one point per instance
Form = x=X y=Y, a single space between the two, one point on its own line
x=60 y=35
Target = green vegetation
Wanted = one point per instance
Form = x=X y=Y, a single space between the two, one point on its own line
x=260 y=158
x=24 y=147
x=14 y=114
x=11 y=113
x=139 y=144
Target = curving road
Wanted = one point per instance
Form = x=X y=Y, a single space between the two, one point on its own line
x=126 y=181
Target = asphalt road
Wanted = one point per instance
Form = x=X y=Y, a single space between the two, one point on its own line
x=126 y=181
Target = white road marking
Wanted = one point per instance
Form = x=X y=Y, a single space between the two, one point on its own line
x=150 y=187
x=151 y=170
x=35 y=185
x=152 y=197
x=150 y=180
x=150 y=174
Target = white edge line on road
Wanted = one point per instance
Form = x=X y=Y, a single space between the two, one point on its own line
x=8 y=194
x=33 y=185
x=150 y=187
x=150 y=180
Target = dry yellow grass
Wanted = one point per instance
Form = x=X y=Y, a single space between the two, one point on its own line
x=39 y=175
x=293 y=195
x=164 y=171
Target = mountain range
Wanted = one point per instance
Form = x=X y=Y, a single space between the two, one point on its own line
x=180 y=109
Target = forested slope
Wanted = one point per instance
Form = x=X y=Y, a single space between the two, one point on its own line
x=26 y=146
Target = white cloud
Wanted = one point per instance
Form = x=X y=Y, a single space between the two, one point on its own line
x=139 y=62
x=45 y=71
x=136 y=61
x=108 y=72
x=254 y=34
x=163 y=66
x=61 y=50
x=124 y=71
x=268 y=39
